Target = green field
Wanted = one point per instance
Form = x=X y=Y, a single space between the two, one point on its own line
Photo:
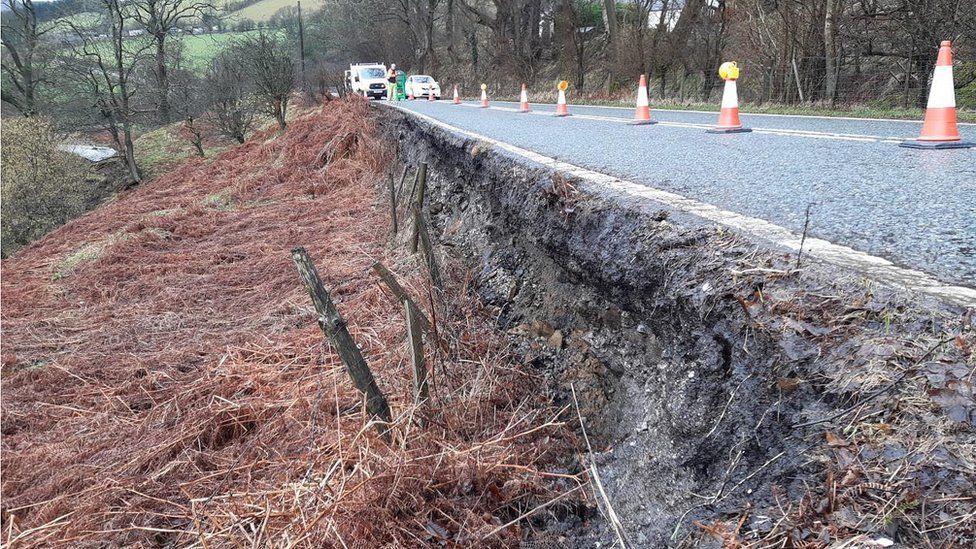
x=263 y=10
x=83 y=19
x=199 y=49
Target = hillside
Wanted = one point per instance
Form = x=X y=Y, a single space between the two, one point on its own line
x=263 y=10
x=166 y=382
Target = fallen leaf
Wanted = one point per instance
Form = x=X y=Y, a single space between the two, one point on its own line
x=788 y=384
x=835 y=441
x=963 y=345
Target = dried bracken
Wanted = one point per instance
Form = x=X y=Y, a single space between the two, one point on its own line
x=172 y=388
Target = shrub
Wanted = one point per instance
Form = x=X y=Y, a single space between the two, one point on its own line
x=42 y=186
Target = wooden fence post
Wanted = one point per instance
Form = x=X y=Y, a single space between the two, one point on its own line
x=422 y=185
x=400 y=293
x=335 y=328
x=403 y=177
x=416 y=347
x=420 y=228
x=393 y=205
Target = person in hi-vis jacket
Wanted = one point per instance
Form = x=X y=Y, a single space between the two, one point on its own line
x=391 y=77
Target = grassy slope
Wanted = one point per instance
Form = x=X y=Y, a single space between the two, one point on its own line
x=265 y=9
x=161 y=149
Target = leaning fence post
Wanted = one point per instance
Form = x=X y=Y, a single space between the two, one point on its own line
x=416 y=347
x=399 y=190
x=335 y=328
x=422 y=186
x=393 y=205
x=428 y=249
x=400 y=293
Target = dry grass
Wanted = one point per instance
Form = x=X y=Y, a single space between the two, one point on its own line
x=175 y=390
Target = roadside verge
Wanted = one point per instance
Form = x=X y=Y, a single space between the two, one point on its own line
x=719 y=383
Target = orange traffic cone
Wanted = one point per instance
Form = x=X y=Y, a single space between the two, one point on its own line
x=457 y=98
x=524 y=100
x=728 y=117
x=939 y=130
x=643 y=113
x=410 y=95
x=430 y=94
x=484 y=97
x=561 y=108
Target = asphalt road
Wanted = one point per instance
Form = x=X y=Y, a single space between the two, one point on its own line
x=916 y=208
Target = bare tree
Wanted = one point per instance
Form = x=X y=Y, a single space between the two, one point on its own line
x=230 y=100
x=272 y=71
x=107 y=64
x=159 y=18
x=22 y=47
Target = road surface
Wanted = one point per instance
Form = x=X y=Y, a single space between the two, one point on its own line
x=916 y=208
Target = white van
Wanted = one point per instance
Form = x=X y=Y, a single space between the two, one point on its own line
x=367 y=79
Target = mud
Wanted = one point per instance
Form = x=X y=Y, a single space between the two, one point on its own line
x=695 y=354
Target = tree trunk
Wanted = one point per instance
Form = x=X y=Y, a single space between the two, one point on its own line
x=449 y=28
x=609 y=9
x=130 y=154
x=279 y=108
x=830 y=50
x=162 y=79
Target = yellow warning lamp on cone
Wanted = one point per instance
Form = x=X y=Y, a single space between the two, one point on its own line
x=484 y=96
x=728 y=117
x=729 y=70
x=561 y=108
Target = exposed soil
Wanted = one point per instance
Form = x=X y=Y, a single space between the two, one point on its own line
x=729 y=398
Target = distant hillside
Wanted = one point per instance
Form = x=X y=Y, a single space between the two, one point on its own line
x=263 y=10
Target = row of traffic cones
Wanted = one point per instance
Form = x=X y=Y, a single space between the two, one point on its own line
x=728 y=119
x=939 y=131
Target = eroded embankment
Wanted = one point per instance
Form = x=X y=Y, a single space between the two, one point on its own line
x=727 y=396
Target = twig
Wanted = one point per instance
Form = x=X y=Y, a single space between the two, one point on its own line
x=803 y=238
x=618 y=527
x=539 y=507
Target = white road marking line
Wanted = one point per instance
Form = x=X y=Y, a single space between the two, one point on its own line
x=741 y=112
x=769 y=131
x=872 y=266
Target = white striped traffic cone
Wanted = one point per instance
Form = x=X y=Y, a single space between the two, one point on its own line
x=561 y=108
x=484 y=98
x=457 y=98
x=728 y=117
x=939 y=130
x=430 y=94
x=524 y=100
x=642 y=115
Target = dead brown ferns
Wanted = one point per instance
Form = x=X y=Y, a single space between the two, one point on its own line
x=165 y=382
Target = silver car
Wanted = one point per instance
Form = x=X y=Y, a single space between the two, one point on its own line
x=421 y=85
